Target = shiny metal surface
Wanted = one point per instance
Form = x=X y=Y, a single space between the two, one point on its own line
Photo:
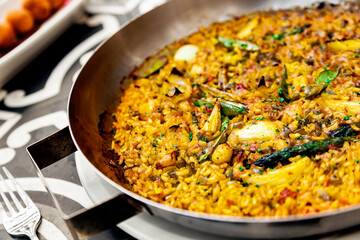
x=97 y=90
x=22 y=220
x=83 y=223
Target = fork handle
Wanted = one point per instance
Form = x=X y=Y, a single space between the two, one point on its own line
x=34 y=237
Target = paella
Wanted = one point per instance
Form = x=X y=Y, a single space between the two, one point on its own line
x=255 y=116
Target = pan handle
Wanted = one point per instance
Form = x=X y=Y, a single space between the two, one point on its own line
x=85 y=222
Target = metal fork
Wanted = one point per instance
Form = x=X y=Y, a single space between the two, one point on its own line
x=22 y=221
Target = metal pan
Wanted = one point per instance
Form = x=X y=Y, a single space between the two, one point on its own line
x=97 y=89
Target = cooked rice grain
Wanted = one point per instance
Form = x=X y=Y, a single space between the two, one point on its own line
x=159 y=131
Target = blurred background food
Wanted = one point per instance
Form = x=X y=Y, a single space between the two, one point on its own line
x=22 y=22
x=7 y=35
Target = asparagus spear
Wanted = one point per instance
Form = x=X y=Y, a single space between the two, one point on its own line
x=153 y=65
x=218 y=93
x=227 y=108
x=345 y=130
x=310 y=148
x=227 y=42
x=338 y=137
x=291 y=32
x=299 y=29
x=322 y=82
x=284 y=91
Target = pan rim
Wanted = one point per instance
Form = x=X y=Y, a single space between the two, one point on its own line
x=188 y=213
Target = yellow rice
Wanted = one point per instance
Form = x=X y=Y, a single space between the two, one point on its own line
x=151 y=125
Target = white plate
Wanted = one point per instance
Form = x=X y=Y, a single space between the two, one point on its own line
x=17 y=58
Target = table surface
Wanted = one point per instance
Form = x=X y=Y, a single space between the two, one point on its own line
x=33 y=106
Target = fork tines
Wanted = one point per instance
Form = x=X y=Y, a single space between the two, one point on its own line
x=21 y=193
x=19 y=219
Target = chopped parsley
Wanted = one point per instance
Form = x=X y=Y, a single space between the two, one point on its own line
x=278 y=36
x=190 y=136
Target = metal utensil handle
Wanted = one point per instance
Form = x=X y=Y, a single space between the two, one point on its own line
x=85 y=222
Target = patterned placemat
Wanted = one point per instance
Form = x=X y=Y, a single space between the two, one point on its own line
x=33 y=106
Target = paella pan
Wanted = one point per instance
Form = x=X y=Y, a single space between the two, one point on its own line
x=257 y=116
x=242 y=125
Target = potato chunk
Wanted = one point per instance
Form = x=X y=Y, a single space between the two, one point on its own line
x=222 y=154
x=186 y=53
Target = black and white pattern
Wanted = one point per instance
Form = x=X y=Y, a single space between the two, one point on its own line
x=33 y=106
